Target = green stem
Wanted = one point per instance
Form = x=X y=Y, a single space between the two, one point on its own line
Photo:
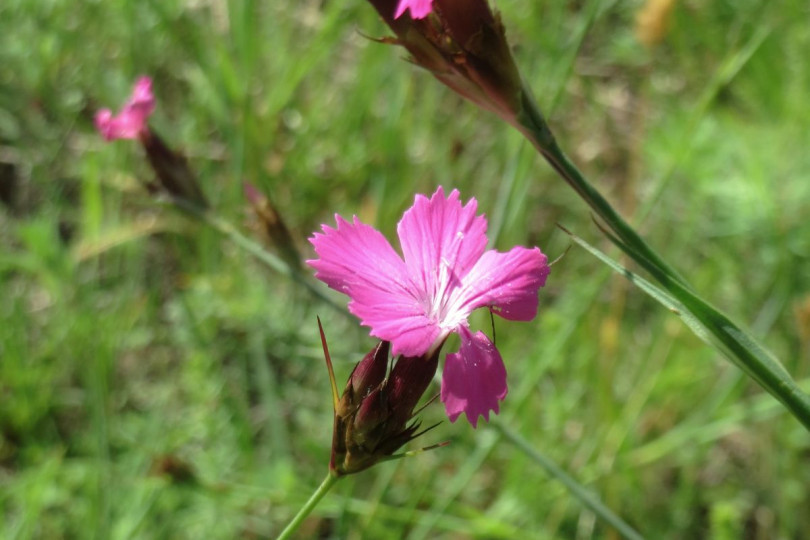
x=577 y=490
x=739 y=346
x=268 y=259
x=534 y=126
x=310 y=505
x=280 y=266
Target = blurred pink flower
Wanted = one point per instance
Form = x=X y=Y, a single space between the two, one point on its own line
x=419 y=8
x=131 y=121
x=417 y=300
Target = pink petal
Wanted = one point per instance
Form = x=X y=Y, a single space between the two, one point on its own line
x=131 y=121
x=142 y=91
x=358 y=261
x=474 y=379
x=441 y=242
x=507 y=283
x=102 y=121
x=419 y=8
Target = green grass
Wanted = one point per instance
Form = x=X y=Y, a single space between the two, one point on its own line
x=129 y=333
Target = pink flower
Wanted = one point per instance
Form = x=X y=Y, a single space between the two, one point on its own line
x=419 y=8
x=417 y=300
x=131 y=121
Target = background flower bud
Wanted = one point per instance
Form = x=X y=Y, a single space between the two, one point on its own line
x=272 y=226
x=172 y=169
x=463 y=44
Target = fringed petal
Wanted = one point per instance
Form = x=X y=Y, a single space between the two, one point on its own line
x=474 y=379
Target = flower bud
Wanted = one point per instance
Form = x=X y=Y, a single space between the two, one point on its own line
x=273 y=227
x=463 y=43
x=131 y=122
x=172 y=169
x=373 y=414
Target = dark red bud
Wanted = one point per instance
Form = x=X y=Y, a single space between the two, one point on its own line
x=463 y=43
x=465 y=19
x=370 y=372
x=409 y=379
x=172 y=169
x=373 y=417
x=373 y=411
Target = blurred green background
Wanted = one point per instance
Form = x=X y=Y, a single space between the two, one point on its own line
x=158 y=382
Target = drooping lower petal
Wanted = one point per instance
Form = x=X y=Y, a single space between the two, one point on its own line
x=356 y=259
x=419 y=8
x=505 y=282
x=474 y=379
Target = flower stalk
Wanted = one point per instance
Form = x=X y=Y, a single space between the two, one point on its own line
x=463 y=44
x=309 y=506
x=532 y=124
x=741 y=348
x=373 y=418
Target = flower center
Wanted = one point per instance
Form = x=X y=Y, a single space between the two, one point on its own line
x=440 y=303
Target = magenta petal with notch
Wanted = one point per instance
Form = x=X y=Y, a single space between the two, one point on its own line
x=474 y=378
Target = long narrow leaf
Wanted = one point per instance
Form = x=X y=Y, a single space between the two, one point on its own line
x=658 y=294
x=580 y=492
x=717 y=330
